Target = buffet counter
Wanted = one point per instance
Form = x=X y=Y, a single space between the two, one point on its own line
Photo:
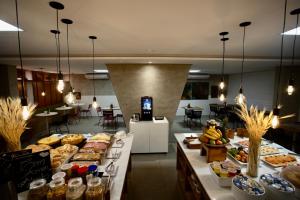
x=195 y=177
x=123 y=166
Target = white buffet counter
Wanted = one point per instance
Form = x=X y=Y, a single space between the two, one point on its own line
x=119 y=181
x=150 y=136
x=200 y=169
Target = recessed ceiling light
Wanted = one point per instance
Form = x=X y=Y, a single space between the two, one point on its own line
x=195 y=70
x=295 y=31
x=4 y=26
x=101 y=70
x=149 y=62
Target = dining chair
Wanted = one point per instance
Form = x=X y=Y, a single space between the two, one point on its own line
x=99 y=114
x=195 y=115
x=87 y=111
x=108 y=118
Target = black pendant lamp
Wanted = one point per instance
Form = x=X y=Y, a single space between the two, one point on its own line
x=276 y=110
x=241 y=98
x=222 y=83
x=70 y=96
x=291 y=83
x=43 y=93
x=93 y=38
x=25 y=111
x=58 y=6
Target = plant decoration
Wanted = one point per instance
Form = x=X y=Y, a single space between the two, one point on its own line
x=12 y=124
x=257 y=123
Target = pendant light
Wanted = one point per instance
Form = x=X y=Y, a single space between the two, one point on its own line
x=276 y=110
x=56 y=32
x=291 y=83
x=58 y=6
x=69 y=98
x=24 y=104
x=241 y=98
x=222 y=83
x=43 y=93
x=93 y=38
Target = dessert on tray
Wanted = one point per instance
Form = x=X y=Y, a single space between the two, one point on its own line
x=280 y=160
x=38 y=147
x=49 y=140
x=73 y=139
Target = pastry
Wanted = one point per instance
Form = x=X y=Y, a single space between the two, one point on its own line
x=267 y=150
x=280 y=160
x=101 y=136
x=87 y=157
x=38 y=148
x=73 y=139
x=59 y=155
x=49 y=140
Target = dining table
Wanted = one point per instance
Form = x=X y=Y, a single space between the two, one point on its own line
x=47 y=115
x=64 y=108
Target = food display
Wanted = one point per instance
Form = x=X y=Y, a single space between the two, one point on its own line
x=268 y=150
x=49 y=140
x=38 y=147
x=276 y=183
x=61 y=154
x=223 y=172
x=98 y=147
x=102 y=137
x=73 y=139
x=57 y=190
x=213 y=136
x=38 y=189
x=95 y=189
x=87 y=157
x=238 y=154
x=245 y=143
x=280 y=160
x=225 y=168
x=244 y=187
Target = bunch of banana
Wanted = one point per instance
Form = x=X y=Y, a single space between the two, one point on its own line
x=213 y=133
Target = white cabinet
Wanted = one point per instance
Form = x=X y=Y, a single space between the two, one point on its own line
x=150 y=136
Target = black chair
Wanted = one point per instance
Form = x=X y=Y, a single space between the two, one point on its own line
x=119 y=116
x=87 y=111
x=187 y=113
x=213 y=108
x=108 y=118
x=195 y=115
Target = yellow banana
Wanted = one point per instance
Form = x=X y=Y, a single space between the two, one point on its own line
x=219 y=132
x=210 y=136
x=213 y=133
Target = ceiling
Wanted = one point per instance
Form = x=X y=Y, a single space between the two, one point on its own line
x=139 y=31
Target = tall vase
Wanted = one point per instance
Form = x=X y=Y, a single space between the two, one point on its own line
x=13 y=146
x=253 y=157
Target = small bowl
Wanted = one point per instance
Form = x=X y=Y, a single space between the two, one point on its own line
x=275 y=194
x=244 y=195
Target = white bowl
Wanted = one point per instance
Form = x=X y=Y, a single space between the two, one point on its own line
x=243 y=195
x=274 y=194
x=221 y=181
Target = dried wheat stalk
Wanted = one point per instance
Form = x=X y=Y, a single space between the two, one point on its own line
x=12 y=124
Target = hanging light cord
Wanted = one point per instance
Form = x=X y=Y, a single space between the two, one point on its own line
x=58 y=42
x=20 y=52
x=281 y=54
x=223 y=64
x=43 y=80
x=93 y=66
x=243 y=58
x=56 y=60
x=68 y=51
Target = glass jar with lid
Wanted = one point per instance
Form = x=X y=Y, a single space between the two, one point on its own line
x=95 y=189
x=76 y=189
x=57 y=190
x=38 y=190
